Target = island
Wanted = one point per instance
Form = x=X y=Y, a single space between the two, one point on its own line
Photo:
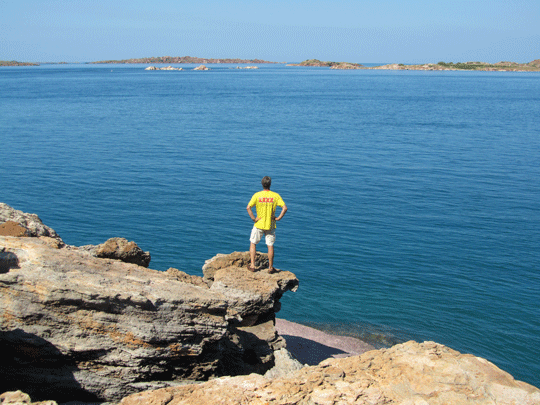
x=331 y=65
x=182 y=59
x=533 y=66
x=15 y=63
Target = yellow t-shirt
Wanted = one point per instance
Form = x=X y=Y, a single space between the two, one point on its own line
x=265 y=203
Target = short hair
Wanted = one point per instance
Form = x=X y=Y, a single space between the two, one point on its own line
x=266 y=181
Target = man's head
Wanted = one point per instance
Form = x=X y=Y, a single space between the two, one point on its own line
x=266 y=181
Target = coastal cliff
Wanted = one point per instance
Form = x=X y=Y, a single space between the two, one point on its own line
x=75 y=325
x=94 y=323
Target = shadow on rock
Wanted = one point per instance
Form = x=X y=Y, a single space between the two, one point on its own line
x=307 y=351
x=8 y=261
x=35 y=366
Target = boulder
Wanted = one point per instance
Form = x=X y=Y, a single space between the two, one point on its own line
x=20 y=398
x=409 y=374
x=74 y=326
x=201 y=67
x=121 y=249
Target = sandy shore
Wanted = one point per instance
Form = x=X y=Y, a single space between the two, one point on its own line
x=311 y=346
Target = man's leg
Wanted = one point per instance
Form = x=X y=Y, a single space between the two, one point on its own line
x=252 y=251
x=270 y=257
x=254 y=238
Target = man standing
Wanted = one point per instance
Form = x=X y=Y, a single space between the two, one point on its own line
x=265 y=203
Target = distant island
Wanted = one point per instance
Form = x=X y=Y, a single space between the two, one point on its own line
x=331 y=65
x=183 y=59
x=15 y=63
x=533 y=66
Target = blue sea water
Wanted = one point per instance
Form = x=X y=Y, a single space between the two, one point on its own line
x=414 y=197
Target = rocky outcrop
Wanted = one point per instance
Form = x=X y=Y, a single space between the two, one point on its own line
x=468 y=66
x=163 y=68
x=120 y=249
x=346 y=66
x=331 y=65
x=17 y=223
x=31 y=222
x=410 y=373
x=20 y=398
x=201 y=67
x=75 y=326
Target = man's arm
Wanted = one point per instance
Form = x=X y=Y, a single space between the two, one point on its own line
x=283 y=211
x=251 y=215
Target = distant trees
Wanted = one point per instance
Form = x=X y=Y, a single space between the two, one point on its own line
x=460 y=65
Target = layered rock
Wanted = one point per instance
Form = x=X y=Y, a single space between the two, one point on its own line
x=409 y=373
x=75 y=326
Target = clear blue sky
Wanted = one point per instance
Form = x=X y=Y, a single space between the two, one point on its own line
x=377 y=31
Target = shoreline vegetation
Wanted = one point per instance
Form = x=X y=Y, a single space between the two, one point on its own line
x=505 y=66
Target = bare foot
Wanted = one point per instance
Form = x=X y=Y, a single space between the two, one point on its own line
x=272 y=270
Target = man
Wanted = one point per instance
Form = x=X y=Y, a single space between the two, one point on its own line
x=265 y=203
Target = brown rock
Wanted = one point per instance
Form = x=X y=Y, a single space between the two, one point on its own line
x=12 y=228
x=20 y=398
x=121 y=249
x=411 y=373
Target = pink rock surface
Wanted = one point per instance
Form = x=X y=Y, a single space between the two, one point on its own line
x=311 y=346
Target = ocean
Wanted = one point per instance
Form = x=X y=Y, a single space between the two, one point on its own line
x=414 y=197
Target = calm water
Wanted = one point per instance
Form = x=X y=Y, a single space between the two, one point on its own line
x=414 y=197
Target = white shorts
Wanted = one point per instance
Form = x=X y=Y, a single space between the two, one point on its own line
x=256 y=235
